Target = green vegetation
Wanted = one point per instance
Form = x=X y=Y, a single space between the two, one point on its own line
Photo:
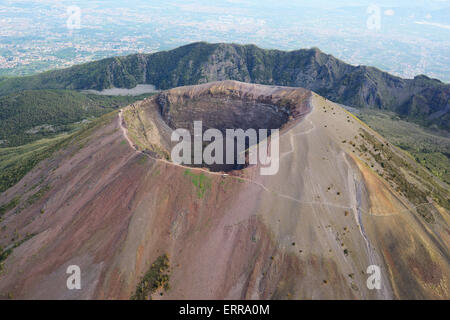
x=421 y=99
x=436 y=162
x=15 y=162
x=429 y=148
x=10 y=205
x=200 y=181
x=143 y=159
x=393 y=164
x=155 y=278
x=38 y=195
x=6 y=252
x=156 y=173
x=32 y=115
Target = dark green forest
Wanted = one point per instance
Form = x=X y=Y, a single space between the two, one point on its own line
x=422 y=99
x=34 y=114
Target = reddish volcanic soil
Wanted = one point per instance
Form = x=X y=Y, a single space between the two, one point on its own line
x=308 y=232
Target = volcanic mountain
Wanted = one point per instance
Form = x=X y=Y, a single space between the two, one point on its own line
x=141 y=226
x=421 y=99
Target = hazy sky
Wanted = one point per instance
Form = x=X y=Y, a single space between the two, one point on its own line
x=405 y=37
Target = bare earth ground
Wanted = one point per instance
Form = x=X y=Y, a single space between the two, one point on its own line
x=308 y=232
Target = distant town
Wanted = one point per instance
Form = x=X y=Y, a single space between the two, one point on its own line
x=38 y=37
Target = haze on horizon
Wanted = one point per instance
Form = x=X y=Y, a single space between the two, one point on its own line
x=406 y=38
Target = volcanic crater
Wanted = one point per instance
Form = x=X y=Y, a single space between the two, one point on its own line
x=112 y=203
x=228 y=105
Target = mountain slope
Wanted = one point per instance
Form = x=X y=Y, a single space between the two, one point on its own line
x=30 y=115
x=343 y=199
x=421 y=99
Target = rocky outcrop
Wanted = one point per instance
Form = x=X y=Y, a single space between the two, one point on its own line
x=420 y=99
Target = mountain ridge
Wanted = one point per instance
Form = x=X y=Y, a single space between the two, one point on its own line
x=422 y=99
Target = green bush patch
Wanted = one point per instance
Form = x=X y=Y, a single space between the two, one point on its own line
x=10 y=205
x=16 y=162
x=6 y=252
x=38 y=195
x=155 y=278
x=200 y=181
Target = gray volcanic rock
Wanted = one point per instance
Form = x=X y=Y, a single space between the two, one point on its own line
x=420 y=99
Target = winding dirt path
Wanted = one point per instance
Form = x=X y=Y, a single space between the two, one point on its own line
x=292 y=135
x=124 y=131
x=282 y=195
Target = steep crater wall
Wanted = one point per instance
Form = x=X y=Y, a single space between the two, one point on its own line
x=232 y=105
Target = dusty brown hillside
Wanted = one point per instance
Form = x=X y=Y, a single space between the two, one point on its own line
x=115 y=205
